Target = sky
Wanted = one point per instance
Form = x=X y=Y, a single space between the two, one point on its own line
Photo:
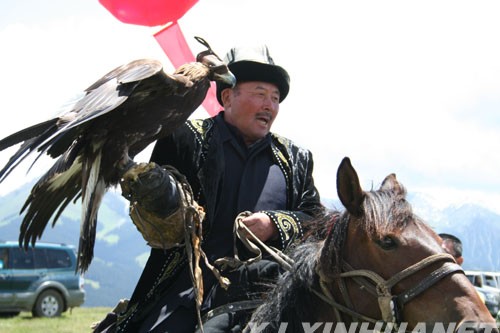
x=404 y=87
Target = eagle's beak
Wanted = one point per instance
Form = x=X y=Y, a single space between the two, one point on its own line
x=227 y=78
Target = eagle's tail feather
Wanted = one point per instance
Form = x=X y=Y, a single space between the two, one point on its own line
x=51 y=194
x=93 y=190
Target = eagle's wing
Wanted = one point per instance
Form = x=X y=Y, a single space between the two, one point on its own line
x=112 y=89
x=102 y=97
x=56 y=135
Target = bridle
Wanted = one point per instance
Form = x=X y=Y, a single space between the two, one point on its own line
x=391 y=306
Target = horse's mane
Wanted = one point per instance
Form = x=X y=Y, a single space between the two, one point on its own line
x=291 y=300
x=291 y=288
x=385 y=210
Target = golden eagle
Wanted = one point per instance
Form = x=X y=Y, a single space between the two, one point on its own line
x=95 y=142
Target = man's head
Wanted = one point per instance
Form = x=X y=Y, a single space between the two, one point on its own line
x=253 y=104
x=453 y=246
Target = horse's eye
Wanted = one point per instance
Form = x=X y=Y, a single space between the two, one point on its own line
x=386 y=243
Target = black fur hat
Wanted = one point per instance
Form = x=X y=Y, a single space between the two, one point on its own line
x=255 y=64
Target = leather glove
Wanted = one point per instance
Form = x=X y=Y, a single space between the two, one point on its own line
x=152 y=187
x=156 y=206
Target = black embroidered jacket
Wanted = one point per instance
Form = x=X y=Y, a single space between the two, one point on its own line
x=198 y=144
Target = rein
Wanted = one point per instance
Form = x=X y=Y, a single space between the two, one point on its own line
x=247 y=237
x=391 y=306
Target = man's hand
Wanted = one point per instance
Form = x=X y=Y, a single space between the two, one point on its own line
x=262 y=226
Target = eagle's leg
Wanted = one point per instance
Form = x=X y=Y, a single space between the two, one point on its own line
x=125 y=164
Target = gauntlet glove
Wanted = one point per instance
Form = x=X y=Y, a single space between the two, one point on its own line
x=158 y=203
x=152 y=187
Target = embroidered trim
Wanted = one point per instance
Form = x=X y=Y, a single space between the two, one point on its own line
x=200 y=127
x=202 y=132
x=278 y=156
x=288 y=226
x=283 y=163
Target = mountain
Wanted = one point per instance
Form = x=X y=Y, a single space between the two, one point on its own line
x=477 y=227
x=121 y=252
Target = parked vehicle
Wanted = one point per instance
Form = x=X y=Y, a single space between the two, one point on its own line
x=490 y=279
x=42 y=279
x=486 y=284
x=493 y=279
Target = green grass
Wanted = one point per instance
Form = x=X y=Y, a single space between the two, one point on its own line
x=78 y=320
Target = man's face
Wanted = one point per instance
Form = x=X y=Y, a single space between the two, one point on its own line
x=251 y=107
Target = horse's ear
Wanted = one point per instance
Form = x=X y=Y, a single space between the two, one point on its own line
x=391 y=183
x=348 y=188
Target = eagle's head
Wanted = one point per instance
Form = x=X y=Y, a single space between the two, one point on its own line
x=218 y=70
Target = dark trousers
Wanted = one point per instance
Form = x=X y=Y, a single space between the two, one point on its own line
x=181 y=320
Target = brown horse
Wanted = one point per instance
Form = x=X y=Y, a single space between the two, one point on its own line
x=378 y=264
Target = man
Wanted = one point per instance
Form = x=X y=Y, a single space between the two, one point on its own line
x=453 y=246
x=233 y=164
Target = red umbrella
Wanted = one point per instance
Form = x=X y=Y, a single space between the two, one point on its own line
x=171 y=39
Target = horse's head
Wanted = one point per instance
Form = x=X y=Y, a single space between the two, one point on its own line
x=383 y=262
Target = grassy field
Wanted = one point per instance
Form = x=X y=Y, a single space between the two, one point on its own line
x=78 y=320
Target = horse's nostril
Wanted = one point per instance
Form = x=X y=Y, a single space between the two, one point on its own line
x=473 y=327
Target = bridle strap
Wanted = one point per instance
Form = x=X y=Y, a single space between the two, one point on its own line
x=390 y=305
x=345 y=294
x=418 y=266
x=435 y=276
x=382 y=286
